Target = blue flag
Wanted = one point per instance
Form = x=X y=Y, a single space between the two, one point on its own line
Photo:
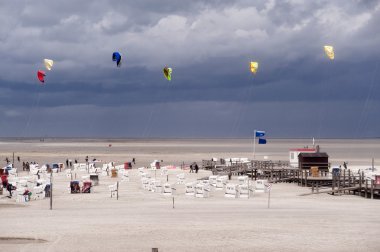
x=260 y=133
x=262 y=141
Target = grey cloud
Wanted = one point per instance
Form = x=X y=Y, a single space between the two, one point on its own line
x=209 y=45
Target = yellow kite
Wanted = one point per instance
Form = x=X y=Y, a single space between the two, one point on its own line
x=329 y=50
x=254 y=67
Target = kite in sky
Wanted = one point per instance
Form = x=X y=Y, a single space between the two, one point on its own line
x=41 y=75
x=116 y=57
x=254 y=67
x=48 y=64
x=329 y=50
x=168 y=73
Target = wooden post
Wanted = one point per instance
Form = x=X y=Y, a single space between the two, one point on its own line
x=373 y=162
x=51 y=191
x=13 y=159
x=339 y=192
x=305 y=178
x=294 y=176
x=372 y=183
x=255 y=174
x=271 y=174
x=333 y=183
x=173 y=202
x=167 y=178
x=360 y=184
x=344 y=180
x=298 y=177
x=117 y=190
x=363 y=177
x=312 y=187
x=366 y=188
x=349 y=179
x=317 y=187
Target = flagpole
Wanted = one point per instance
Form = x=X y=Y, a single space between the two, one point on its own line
x=254 y=144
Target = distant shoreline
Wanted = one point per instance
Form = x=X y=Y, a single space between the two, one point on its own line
x=123 y=139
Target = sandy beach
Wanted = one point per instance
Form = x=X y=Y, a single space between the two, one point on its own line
x=141 y=220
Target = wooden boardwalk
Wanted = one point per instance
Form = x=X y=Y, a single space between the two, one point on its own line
x=342 y=182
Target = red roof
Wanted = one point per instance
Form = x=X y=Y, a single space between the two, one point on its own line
x=303 y=149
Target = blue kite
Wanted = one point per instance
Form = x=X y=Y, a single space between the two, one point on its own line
x=116 y=57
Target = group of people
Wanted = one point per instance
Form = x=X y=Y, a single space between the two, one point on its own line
x=26 y=166
x=8 y=186
x=194 y=168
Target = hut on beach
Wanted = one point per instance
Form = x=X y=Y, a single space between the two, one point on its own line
x=318 y=159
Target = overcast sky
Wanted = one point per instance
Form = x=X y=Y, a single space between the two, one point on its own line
x=297 y=92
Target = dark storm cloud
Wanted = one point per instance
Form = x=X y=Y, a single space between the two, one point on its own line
x=209 y=45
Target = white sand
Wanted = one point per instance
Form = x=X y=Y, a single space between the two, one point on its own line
x=141 y=220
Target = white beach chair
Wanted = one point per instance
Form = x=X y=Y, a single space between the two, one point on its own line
x=167 y=189
x=157 y=185
x=154 y=185
x=38 y=192
x=20 y=197
x=83 y=166
x=181 y=178
x=113 y=190
x=190 y=189
x=206 y=184
x=141 y=170
x=164 y=171
x=145 y=183
x=212 y=180
x=201 y=190
x=145 y=175
x=12 y=172
x=244 y=191
x=220 y=183
x=124 y=175
x=260 y=186
x=105 y=171
x=231 y=191
x=68 y=173
x=243 y=180
x=22 y=183
x=85 y=178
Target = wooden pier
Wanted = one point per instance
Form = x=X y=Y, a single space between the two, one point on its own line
x=340 y=182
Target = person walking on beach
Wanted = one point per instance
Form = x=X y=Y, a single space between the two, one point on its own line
x=191 y=168
x=134 y=161
x=67 y=163
x=23 y=166
x=196 y=168
x=18 y=158
x=86 y=159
